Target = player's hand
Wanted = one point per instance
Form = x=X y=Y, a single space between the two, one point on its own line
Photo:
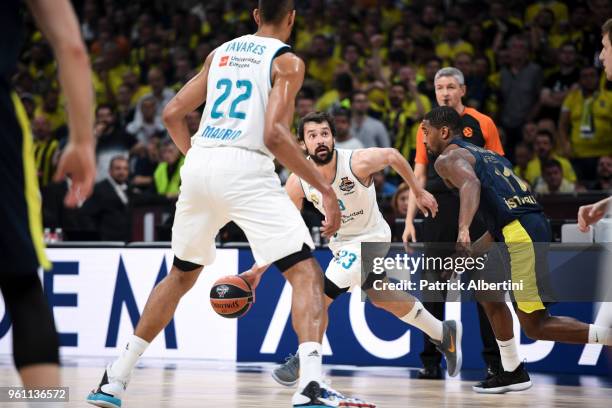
x=253 y=275
x=331 y=224
x=590 y=214
x=464 y=243
x=409 y=234
x=78 y=163
x=426 y=202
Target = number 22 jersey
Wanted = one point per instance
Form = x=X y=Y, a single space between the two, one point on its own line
x=239 y=82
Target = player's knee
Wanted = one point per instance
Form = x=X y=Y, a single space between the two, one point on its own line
x=184 y=274
x=284 y=264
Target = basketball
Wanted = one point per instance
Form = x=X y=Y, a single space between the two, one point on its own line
x=231 y=296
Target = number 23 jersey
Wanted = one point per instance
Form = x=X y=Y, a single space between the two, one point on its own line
x=239 y=82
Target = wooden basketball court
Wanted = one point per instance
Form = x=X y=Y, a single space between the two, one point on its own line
x=165 y=383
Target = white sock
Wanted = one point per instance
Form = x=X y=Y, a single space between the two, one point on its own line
x=600 y=335
x=509 y=354
x=420 y=318
x=123 y=366
x=311 y=363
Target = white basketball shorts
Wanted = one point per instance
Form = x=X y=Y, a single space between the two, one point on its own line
x=224 y=184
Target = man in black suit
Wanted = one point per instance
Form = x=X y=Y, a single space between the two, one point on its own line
x=109 y=205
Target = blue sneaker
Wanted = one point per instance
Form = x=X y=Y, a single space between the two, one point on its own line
x=108 y=393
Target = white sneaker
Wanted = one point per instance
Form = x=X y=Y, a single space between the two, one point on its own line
x=109 y=392
x=312 y=396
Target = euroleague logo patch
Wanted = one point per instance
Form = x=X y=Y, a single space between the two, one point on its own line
x=346 y=184
x=467 y=131
x=222 y=290
x=223 y=61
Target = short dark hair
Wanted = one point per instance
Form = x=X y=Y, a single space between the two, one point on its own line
x=116 y=158
x=273 y=11
x=342 y=112
x=344 y=82
x=444 y=116
x=552 y=163
x=316 y=117
x=105 y=106
x=606 y=28
x=305 y=93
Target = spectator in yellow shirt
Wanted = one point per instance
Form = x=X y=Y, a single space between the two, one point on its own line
x=321 y=63
x=52 y=110
x=559 y=9
x=586 y=123
x=544 y=149
x=452 y=44
x=523 y=153
x=552 y=180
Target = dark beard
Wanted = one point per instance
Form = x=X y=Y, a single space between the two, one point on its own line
x=321 y=162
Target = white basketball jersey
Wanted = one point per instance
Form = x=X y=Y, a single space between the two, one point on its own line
x=239 y=82
x=360 y=215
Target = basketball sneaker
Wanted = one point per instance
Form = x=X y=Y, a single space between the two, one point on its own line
x=315 y=395
x=288 y=373
x=327 y=390
x=504 y=381
x=450 y=346
x=108 y=393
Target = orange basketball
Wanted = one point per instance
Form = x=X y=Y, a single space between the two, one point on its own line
x=231 y=296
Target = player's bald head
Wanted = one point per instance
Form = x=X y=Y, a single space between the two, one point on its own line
x=273 y=11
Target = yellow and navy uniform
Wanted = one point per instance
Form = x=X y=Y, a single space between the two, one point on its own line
x=21 y=237
x=513 y=216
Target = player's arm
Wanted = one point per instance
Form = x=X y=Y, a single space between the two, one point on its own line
x=366 y=162
x=457 y=171
x=288 y=75
x=57 y=21
x=189 y=98
x=420 y=173
x=295 y=191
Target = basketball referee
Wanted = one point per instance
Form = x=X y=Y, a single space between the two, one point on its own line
x=35 y=340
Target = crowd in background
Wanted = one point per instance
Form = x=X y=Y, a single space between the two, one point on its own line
x=530 y=65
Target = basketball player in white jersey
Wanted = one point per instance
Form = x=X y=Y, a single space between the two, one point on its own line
x=350 y=174
x=249 y=85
